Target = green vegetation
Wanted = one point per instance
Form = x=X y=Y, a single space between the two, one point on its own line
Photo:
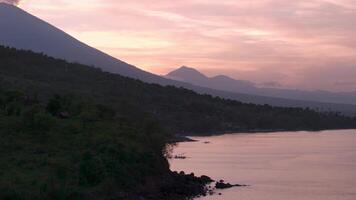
x=70 y=131
x=178 y=110
x=71 y=149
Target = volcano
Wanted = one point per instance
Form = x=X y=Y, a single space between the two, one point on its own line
x=21 y=30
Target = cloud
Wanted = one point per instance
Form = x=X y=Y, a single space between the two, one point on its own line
x=306 y=44
x=12 y=2
x=345 y=83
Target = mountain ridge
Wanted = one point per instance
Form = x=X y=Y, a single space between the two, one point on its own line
x=35 y=73
x=22 y=30
x=25 y=31
x=226 y=83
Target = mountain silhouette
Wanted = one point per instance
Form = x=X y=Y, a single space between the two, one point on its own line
x=222 y=82
x=22 y=30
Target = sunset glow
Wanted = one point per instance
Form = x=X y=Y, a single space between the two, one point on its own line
x=304 y=44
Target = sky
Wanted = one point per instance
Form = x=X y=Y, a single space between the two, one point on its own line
x=301 y=44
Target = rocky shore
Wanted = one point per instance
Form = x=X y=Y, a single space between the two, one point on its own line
x=171 y=186
x=222 y=185
x=177 y=186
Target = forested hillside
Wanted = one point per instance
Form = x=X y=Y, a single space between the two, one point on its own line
x=177 y=110
x=70 y=131
x=71 y=148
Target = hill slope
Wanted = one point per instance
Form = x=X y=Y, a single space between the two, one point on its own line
x=21 y=30
x=73 y=148
x=24 y=31
x=178 y=110
x=70 y=131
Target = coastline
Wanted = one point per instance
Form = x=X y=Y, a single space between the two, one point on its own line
x=186 y=136
x=281 y=153
x=208 y=190
x=172 y=186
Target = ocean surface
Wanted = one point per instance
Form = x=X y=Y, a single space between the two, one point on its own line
x=277 y=166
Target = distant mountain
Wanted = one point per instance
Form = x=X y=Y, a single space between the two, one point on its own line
x=70 y=131
x=221 y=82
x=177 y=109
x=187 y=74
x=22 y=30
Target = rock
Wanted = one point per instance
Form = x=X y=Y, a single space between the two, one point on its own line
x=222 y=185
x=206 y=179
x=180 y=157
x=180 y=185
x=211 y=192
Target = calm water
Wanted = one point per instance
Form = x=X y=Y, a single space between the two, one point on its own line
x=278 y=166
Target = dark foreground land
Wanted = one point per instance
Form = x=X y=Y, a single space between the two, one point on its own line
x=74 y=149
x=70 y=131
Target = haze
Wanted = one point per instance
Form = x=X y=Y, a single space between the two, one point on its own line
x=304 y=44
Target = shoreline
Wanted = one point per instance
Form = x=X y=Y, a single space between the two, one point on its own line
x=208 y=190
x=186 y=137
x=171 y=186
x=238 y=157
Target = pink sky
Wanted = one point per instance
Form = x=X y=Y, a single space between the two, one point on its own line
x=305 y=44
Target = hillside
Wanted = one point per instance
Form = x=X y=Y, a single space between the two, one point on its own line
x=178 y=110
x=69 y=131
x=25 y=31
x=72 y=148
x=22 y=30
